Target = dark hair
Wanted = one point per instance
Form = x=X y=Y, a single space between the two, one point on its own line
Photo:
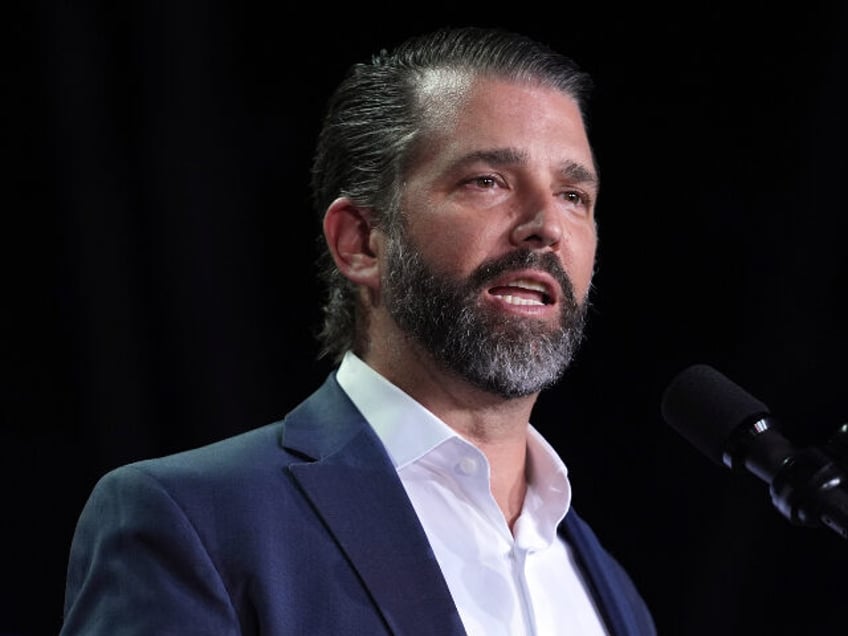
x=375 y=117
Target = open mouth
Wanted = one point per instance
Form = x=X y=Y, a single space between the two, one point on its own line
x=523 y=292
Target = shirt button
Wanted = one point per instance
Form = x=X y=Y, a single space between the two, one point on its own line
x=467 y=466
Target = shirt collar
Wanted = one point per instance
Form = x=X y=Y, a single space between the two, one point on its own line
x=407 y=429
x=409 y=432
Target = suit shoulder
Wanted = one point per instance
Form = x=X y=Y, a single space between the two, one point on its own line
x=237 y=458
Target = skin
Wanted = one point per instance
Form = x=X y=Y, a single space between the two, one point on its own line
x=508 y=166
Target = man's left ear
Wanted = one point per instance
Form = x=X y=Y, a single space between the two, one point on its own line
x=348 y=231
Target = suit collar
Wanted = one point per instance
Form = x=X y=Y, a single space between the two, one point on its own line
x=322 y=424
x=349 y=479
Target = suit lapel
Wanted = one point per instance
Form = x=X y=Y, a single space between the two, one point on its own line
x=613 y=592
x=353 y=486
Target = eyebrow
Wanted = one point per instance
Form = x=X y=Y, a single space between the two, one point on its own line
x=572 y=170
x=578 y=172
x=495 y=156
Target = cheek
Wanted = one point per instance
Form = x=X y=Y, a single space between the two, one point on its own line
x=581 y=264
x=456 y=247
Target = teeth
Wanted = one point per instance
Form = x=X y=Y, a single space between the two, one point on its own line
x=515 y=300
x=529 y=284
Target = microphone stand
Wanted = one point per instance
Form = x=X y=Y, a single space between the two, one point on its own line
x=810 y=488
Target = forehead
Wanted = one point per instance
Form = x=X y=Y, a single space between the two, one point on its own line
x=463 y=114
x=442 y=92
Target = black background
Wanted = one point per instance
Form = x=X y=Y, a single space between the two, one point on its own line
x=158 y=247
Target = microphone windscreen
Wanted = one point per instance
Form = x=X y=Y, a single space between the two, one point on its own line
x=705 y=407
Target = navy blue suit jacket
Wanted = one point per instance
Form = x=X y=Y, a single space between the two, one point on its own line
x=298 y=527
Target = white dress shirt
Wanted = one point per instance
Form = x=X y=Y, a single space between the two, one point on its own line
x=525 y=583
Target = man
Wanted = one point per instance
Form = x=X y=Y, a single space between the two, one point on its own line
x=409 y=494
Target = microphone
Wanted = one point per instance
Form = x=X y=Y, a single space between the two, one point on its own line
x=736 y=430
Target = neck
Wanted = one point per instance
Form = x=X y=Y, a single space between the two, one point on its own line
x=496 y=425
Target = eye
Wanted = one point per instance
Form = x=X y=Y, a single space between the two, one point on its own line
x=573 y=197
x=485 y=181
x=577 y=199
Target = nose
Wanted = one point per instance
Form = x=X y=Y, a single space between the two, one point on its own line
x=539 y=227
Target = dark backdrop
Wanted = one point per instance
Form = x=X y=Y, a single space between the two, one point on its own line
x=158 y=247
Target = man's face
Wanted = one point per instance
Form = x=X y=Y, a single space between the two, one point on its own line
x=493 y=265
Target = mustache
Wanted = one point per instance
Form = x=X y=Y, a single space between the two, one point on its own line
x=523 y=259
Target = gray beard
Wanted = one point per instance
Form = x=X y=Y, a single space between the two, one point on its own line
x=508 y=356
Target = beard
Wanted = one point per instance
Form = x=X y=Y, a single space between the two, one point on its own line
x=509 y=356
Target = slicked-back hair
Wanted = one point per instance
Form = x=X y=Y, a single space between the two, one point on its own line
x=374 y=120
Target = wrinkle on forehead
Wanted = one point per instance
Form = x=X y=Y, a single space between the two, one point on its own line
x=441 y=95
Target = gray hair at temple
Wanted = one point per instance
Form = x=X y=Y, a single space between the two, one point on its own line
x=377 y=115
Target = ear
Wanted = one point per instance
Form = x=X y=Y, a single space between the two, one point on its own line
x=349 y=235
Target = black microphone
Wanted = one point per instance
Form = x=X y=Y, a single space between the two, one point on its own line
x=736 y=430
